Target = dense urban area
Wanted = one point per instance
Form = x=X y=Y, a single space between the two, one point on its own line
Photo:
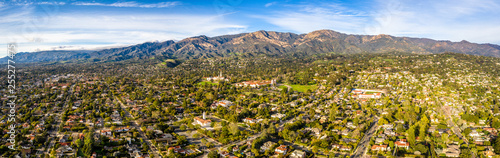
x=256 y=105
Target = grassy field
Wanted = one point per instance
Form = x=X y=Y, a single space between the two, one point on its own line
x=303 y=88
x=207 y=82
x=389 y=60
x=281 y=87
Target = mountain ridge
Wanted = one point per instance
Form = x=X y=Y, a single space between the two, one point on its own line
x=271 y=43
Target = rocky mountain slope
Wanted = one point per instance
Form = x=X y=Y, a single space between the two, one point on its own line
x=268 y=42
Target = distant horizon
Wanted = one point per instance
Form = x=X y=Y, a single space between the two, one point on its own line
x=88 y=25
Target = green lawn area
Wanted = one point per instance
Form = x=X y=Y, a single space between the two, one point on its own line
x=389 y=60
x=281 y=87
x=242 y=125
x=303 y=88
x=207 y=82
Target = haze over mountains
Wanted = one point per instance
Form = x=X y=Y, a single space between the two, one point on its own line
x=268 y=42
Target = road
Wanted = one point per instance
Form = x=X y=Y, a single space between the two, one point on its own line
x=135 y=125
x=256 y=135
x=365 y=141
x=52 y=134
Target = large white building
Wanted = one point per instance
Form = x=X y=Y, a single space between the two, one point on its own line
x=217 y=78
x=256 y=84
x=202 y=121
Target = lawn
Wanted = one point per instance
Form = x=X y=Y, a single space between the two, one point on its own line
x=207 y=82
x=281 y=87
x=389 y=60
x=303 y=88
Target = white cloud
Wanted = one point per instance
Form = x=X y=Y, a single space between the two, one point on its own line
x=307 y=18
x=453 y=20
x=92 y=31
x=51 y=3
x=131 y=4
x=270 y=4
x=443 y=20
x=89 y=3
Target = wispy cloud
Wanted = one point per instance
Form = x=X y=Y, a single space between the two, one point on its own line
x=270 y=4
x=307 y=18
x=444 y=20
x=131 y=4
x=51 y=3
x=92 y=31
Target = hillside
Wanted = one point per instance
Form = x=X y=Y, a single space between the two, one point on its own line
x=268 y=42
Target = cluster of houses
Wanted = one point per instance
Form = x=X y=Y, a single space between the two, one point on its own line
x=267 y=146
x=366 y=94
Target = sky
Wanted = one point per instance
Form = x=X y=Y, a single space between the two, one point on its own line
x=37 y=25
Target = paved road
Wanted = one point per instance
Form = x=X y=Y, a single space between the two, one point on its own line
x=142 y=135
x=365 y=141
x=52 y=134
x=454 y=128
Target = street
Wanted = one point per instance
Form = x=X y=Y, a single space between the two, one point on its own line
x=365 y=141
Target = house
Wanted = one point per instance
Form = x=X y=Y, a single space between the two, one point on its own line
x=224 y=154
x=165 y=138
x=122 y=129
x=441 y=131
x=266 y=146
x=474 y=133
x=345 y=132
x=336 y=146
x=492 y=131
x=249 y=154
x=432 y=129
x=489 y=153
x=202 y=122
x=298 y=154
x=380 y=148
x=452 y=151
x=106 y=132
x=379 y=140
x=281 y=149
x=370 y=96
x=402 y=143
x=278 y=115
x=315 y=131
x=345 y=148
x=389 y=132
x=250 y=120
x=177 y=149
x=223 y=103
x=235 y=148
x=350 y=125
x=348 y=140
x=388 y=126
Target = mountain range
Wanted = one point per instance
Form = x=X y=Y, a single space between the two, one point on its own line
x=268 y=42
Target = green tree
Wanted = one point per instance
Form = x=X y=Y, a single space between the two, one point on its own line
x=213 y=154
x=496 y=146
x=88 y=143
x=411 y=135
x=422 y=148
x=234 y=129
x=465 y=153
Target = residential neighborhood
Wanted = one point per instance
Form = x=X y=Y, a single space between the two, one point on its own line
x=374 y=108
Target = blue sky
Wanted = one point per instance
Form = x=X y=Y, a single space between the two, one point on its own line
x=94 y=24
